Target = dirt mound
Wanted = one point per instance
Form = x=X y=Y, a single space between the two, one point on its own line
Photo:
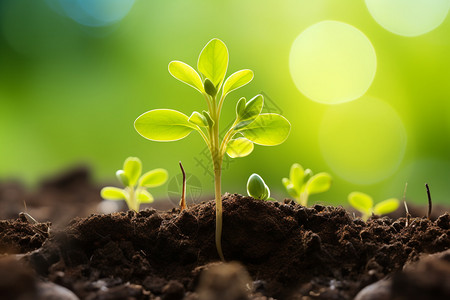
x=287 y=249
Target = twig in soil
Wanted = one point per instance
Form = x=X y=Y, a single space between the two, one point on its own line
x=408 y=215
x=430 y=204
x=183 y=193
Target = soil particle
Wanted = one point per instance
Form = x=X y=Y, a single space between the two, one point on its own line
x=19 y=236
x=292 y=252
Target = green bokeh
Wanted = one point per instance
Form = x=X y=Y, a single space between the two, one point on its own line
x=70 y=93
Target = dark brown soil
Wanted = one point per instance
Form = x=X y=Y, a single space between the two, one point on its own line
x=288 y=252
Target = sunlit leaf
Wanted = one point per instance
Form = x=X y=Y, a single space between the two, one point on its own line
x=267 y=130
x=198 y=119
x=144 y=197
x=253 y=108
x=154 y=178
x=213 y=61
x=132 y=167
x=113 y=193
x=256 y=187
x=386 y=206
x=361 y=202
x=239 y=147
x=120 y=174
x=240 y=107
x=237 y=80
x=163 y=125
x=185 y=73
x=319 y=183
x=296 y=175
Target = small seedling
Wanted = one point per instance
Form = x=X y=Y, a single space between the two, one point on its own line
x=135 y=191
x=257 y=188
x=430 y=203
x=249 y=127
x=302 y=183
x=364 y=204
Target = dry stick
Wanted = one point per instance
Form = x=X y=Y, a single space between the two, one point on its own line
x=183 y=193
x=408 y=215
x=430 y=204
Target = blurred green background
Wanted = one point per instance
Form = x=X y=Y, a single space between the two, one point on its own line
x=75 y=74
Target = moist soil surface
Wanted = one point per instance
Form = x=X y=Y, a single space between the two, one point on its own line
x=277 y=250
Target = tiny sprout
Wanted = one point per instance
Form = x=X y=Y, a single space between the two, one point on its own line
x=135 y=191
x=302 y=183
x=257 y=188
x=364 y=204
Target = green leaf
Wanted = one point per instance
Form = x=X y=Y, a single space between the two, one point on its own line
x=144 y=196
x=163 y=125
x=213 y=61
x=210 y=89
x=239 y=147
x=113 y=193
x=296 y=175
x=257 y=188
x=286 y=182
x=208 y=118
x=185 y=73
x=362 y=202
x=132 y=168
x=386 y=206
x=319 y=183
x=198 y=119
x=267 y=130
x=252 y=108
x=237 y=80
x=154 y=178
x=240 y=107
x=120 y=174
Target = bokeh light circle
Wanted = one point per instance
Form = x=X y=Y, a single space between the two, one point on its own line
x=332 y=62
x=362 y=141
x=408 y=17
x=93 y=13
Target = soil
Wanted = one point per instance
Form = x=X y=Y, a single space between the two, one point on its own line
x=277 y=250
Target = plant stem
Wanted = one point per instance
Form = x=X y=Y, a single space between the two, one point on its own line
x=217 y=177
x=183 y=194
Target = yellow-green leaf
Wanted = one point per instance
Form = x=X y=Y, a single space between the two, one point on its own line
x=257 y=188
x=237 y=80
x=319 y=183
x=362 y=202
x=154 y=178
x=163 y=125
x=185 y=73
x=113 y=193
x=296 y=175
x=132 y=168
x=239 y=147
x=198 y=119
x=386 y=206
x=213 y=61
x=144 y=197
x=267 y=130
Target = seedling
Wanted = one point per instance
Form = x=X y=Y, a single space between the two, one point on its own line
x=302 y=183
x=257 y=188
x=135 y=188
x=364 y=204
x=250 y=126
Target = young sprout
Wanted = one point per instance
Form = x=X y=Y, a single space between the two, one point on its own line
x=135 y=191
x=257 y=188
x=364 y=204
x=302 y=183
x=249 y=127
